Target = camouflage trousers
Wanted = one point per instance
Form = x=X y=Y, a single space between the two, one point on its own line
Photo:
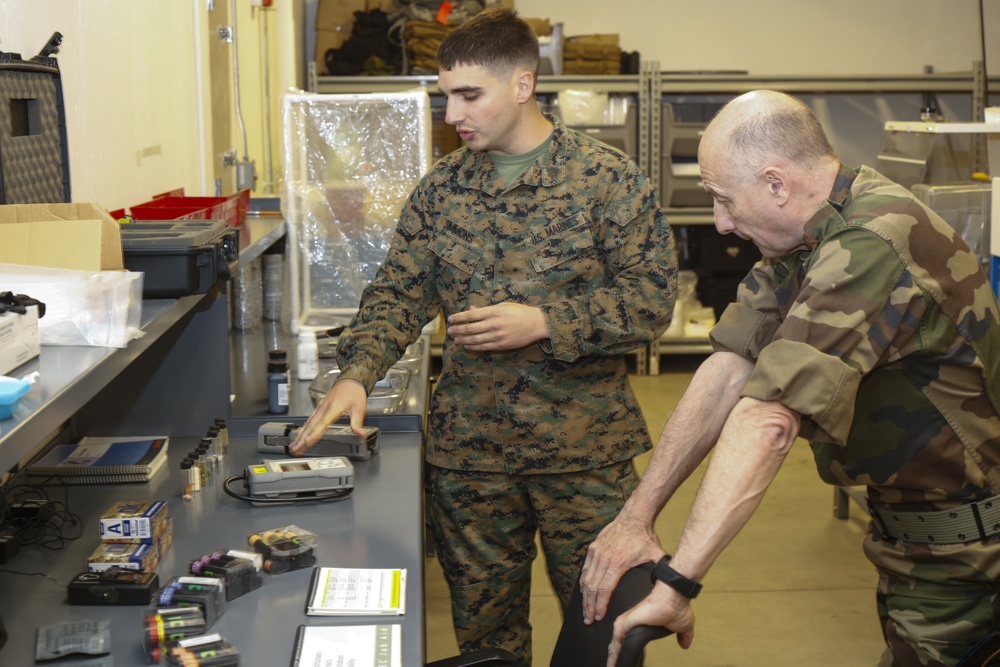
x=484 y=527
x=935 y=601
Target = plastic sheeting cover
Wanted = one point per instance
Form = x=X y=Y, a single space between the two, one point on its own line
x=351 y=161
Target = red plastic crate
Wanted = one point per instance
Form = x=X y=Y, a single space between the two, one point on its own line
x=175 y=208
x=242 y=205
x=231 y=209
x=170 y=208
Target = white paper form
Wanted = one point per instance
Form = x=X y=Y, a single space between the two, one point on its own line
x=343 y=645
x=358 y=591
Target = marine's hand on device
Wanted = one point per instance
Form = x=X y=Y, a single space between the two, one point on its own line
x=346 y=397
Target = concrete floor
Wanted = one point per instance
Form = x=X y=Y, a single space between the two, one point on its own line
x=792 y=590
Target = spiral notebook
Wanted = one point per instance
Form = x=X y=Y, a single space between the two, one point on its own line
x=101 y=460
x=358 y=645
x=337 y=591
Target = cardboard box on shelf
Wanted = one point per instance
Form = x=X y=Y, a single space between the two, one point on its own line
x=338 y=15
x=444 y=137
x=326 y=40
x=64 y=236
x=335 y=21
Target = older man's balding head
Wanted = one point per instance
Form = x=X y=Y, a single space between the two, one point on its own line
x=765 y=126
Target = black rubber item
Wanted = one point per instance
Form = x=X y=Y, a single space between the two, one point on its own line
x=635 y=644
x=581 y=645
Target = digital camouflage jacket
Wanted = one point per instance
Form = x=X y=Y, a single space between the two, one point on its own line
x=885 y=337
x=580 y=235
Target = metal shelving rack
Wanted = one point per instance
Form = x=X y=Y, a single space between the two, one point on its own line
x=637 y=85
x=675 y=84
x=651 y=85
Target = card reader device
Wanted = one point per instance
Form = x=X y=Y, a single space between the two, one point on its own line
x=337 y=440
x=299 y=478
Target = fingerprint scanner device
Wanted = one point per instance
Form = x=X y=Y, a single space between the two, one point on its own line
x=338 y=440
x=299 y=478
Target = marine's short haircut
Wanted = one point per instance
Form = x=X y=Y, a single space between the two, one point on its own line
x=497 y=40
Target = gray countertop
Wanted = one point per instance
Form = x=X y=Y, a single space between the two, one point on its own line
x=380 y=526
x=70 y=376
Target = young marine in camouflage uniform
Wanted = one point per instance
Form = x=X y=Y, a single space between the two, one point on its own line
x=550 y=258
x=871 y=330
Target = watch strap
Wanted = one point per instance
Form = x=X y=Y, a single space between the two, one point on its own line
x=689 y=588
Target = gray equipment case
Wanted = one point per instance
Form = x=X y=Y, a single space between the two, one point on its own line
x=180 y=257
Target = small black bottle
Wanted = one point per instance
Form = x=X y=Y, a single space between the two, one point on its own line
x=277 y=382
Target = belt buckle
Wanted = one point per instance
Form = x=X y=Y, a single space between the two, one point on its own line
x=877 y=520
x=974 y=506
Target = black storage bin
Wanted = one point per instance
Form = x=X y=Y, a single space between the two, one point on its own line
x=711 y=252
x=180 y=257
x=682 y=124
x=34 y=155
x=720 y=261
x=718 y=291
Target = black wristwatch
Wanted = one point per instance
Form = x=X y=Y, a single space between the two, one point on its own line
x=689 y=588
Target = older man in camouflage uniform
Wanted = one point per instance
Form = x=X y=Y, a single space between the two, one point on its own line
x=550 y=257
x=869 y=328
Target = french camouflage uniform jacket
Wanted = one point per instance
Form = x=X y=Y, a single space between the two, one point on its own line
x=581 y=236
x=884 y=336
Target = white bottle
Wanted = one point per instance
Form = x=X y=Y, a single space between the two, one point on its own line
x=308 y=355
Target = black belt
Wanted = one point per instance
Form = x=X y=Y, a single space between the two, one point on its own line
x=966 y=523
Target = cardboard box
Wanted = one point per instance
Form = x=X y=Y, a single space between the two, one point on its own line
x=326 y=40
x=444 y=137
x=65 y=236
x=19 y=341
x=135 y=521
x=140 y=557
x=338 y=15
x=335 y=21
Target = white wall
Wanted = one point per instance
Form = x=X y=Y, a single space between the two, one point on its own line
x=794 y=37
x=807 y=37
x=261 y=108
x=136 y=79
x=128 y=73
x=136 y=87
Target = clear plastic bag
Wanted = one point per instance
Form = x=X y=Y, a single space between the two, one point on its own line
x=96 y=308
x=351 y=161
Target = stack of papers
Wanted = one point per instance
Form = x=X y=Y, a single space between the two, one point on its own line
x=357 y=645
x=339 y=591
